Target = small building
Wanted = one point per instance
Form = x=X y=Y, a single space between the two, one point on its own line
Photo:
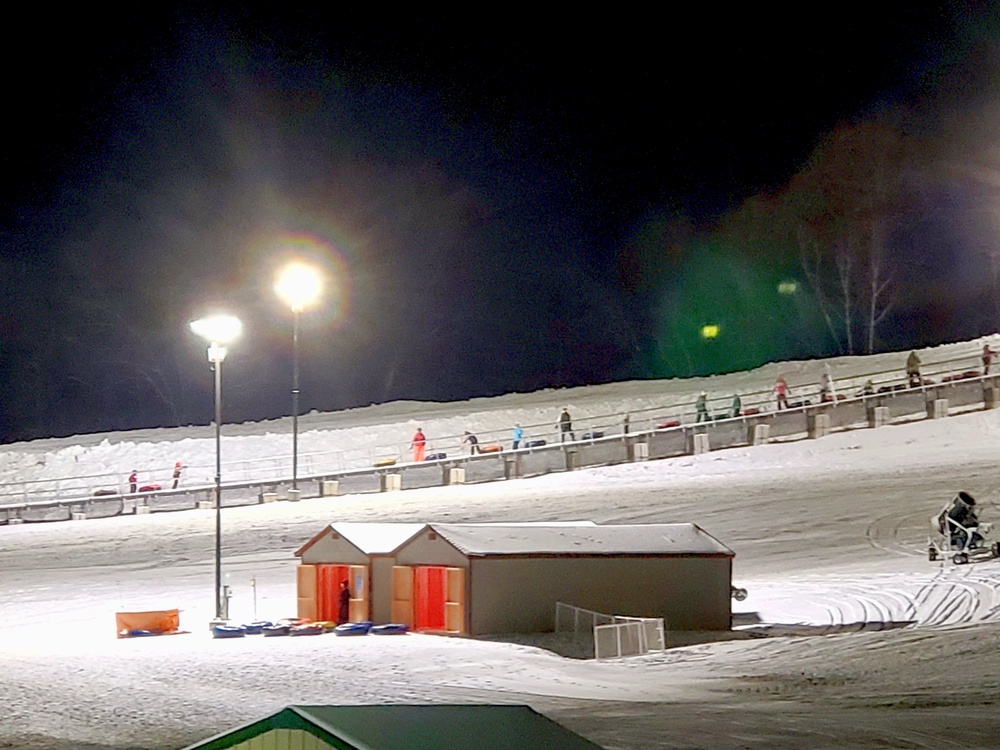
x=399 y=727
x=480 y=579
x=360 y=553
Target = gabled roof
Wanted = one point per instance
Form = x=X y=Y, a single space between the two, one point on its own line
x=640 y=539
x=369 y=538
x=414 y=727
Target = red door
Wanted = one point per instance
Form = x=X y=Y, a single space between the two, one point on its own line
x=430 y=598
x=328 y=578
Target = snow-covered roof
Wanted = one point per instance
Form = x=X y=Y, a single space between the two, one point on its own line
x=559 y=539
x=370 y=538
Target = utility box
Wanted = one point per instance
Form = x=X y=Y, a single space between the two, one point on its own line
x=938 y=408
x=640 y=451
x=760 y=434
x=390 y=482
x=878 y=416
x=329 y=487
x=700 y=443
x=991 y=398
x=819 y=424
x=456 y=475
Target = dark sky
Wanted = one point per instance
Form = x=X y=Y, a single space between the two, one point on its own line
x=470 y=181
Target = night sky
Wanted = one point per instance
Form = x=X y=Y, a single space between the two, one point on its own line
x=501 y=202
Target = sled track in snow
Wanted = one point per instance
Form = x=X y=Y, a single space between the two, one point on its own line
x=943 y=597
x=902 y=535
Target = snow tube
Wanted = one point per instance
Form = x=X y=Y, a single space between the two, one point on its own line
x=256 y=628
x=534 y=444
x=228 y=631
x=668 y=424
x=392 y=628
x=353 y=628
x=491 y=448
x=273 y=630
x=150 y=488
x=435 y=456
x=385 y=462
x=313 y=628
x=592 y=435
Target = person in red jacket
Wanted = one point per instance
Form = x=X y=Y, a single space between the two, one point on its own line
x=133 y=481
x=781 y=392
x=419 y=445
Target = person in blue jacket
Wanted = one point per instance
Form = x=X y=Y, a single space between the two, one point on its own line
x=518 y=436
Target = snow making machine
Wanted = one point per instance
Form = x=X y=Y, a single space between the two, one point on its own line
x=960 y=534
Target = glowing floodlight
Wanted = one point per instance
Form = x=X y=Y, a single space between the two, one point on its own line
x=709 y=331
x=218 y=330
x=788 y=287
x=299 y=285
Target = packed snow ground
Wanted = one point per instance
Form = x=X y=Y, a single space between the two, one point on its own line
x=871 y=645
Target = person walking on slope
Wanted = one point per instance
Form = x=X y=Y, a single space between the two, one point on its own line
x=419 y=445
x=988 y=355
x=913 y=370
x=781 y=392
x=737 y=406
x=518 y=436
x=133 y=481
x=825 y=388
x=701 y=406
x=565 y=426
x=177 y=474
x=472 y=441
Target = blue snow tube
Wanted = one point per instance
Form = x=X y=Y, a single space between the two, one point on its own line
x=274 y=630
x=228 y=631
x=391 y=628
x=353 y=628
x=256 y=628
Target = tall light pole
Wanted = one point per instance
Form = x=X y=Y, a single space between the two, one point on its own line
x=299 y=285
x=218 y=330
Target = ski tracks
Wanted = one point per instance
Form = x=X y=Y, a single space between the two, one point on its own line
x=942 y=597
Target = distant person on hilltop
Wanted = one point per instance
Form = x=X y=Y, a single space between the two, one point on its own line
x=565 y=426
x=825 y=388
x=419 y=445
x=988 y=355
x=701 y=407
x=518 y=436
x=472 y=441
x=781 y=392
x=913 y=370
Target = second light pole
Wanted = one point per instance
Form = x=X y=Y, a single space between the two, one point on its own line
x=299 y=285
x=218 y=330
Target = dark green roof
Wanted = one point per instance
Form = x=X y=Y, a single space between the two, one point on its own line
x=414 y=727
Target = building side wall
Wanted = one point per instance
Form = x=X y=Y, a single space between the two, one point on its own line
x=334 y=551
x=518 y=595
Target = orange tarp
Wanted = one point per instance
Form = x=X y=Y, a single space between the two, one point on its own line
x=161 y=622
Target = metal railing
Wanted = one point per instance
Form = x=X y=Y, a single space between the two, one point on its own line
x=592 y=429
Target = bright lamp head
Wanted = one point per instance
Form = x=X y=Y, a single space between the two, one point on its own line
x=299 y=285
x=218 y=329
